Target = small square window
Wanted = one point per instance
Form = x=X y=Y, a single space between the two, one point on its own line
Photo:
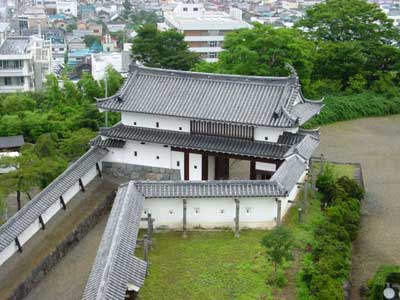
x=157 y=157
x=180 y=128
x=157 y=124
x=195 y=167
x=135 y=153
x=171 y=212
x=143 y=143
x=195 y=9
x=197 y=210
x=145 y=212
x=178 y=163
x=266 y=138
x=248 y=210
x=222 y=211
x=165 y=146
x=134 y=123
x=185 y=9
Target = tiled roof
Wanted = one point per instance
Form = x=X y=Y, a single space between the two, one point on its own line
x=11 y=141
x=305 y=148
x=289 y=173
x=111 y=143
x=252 y=100
x=51 y=194
x=197 y=141
x=115 y=265
x=205 y=189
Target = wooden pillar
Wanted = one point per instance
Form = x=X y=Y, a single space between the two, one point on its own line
x=81 y=185
x=300 y=213
x=305 y=196
x=321 y=165
x=98 y=170
x=150 y=227
x=63 y=203
x=278 y=211
x=146 y=244
x=186 y=165
x=42 y=223
x=313 y=179
x=237 y=226
x=204 y=167
x=18 y=244
x=253 y=175
x=184 y=218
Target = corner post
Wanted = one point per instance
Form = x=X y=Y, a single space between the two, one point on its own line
x=279 y=211
x=184 y=221
x=237 y=227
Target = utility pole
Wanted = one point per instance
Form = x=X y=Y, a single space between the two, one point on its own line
x=106 y=96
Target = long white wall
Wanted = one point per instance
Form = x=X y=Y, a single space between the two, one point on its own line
x=30 y=231
x=218 y=212
x=150 y=121
x=270 y=134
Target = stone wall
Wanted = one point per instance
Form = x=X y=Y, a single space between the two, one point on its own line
x=138 y=172
x=63 y=248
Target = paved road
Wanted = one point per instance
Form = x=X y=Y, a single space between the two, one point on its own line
x=375 y=143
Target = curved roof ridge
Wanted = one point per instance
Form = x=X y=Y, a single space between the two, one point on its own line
x=241 y=78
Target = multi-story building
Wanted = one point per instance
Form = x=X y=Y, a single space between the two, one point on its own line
x=204 y=30
x=24 y=63
x=68 y=7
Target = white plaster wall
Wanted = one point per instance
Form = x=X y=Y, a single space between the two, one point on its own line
x=272 y=133
x=29 y=232
x=265 y=166
x=211 y=167
x=176 y=157
x=195 y=166
x=149 y=121
x=146 y=154
x=47 y=215
x=211 y=213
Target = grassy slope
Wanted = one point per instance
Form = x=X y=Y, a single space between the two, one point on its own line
x=217 y=266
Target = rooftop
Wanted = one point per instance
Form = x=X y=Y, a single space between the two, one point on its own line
x=8 y=142
x=15 y=45
x=251 y=100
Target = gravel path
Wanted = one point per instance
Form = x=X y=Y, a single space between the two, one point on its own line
x=375 y=143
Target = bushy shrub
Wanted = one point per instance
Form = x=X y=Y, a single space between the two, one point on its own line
x=377 y=283
x=351 y=187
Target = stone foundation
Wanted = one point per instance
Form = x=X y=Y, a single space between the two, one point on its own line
x=138 y=172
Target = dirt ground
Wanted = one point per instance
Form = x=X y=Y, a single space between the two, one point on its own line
x=375 y=143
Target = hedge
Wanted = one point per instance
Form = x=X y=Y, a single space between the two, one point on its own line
x=342 y=108
x=377 y=283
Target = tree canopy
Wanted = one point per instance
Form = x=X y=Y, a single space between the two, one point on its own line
x=348 y=20
x=162 y=49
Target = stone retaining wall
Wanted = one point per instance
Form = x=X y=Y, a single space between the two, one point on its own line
x=138 y=172
x=63 y=248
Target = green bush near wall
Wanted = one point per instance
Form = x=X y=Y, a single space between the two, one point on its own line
x=377 y=283
x=342 y=108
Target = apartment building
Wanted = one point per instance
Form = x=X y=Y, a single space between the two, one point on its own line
x=24 y=63
x=204 y=30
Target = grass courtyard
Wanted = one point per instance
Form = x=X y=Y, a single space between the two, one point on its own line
x=214 y=265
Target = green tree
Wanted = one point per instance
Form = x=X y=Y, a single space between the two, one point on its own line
x=53 y=91
x=348 y=20
x=127 y=9
x=90 y=39
x=166 y=49
x=114 y=80
x=76 y=143
x=265 y=51
x=279 y=244
x=89 y=87
x=141 y=17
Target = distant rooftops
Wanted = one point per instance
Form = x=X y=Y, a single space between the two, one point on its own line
x=15 y=45
x=251 y=100
x=11 y=142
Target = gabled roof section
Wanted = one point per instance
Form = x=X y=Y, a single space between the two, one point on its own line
x=8 y=142
x=289 y=173
x=115 y=265
x=51 y=194
x=212 y=188
x=252 y=100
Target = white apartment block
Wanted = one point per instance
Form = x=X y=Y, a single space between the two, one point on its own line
x=68 y=7
x=24 y=63
x=204 y=30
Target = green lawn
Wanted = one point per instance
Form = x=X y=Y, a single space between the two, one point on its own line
x=208 y=265
x=216 y=266
x=338 y=169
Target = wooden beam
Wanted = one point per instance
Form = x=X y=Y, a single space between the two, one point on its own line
x=253 y=174
x=186 y=165
x=63 y=203
x=278 y=211
x=18 y=244
x=42 y=223
x=81 y=185
x=204 y=167
x=237 y=226
x=99 y=170
x=184 y=218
